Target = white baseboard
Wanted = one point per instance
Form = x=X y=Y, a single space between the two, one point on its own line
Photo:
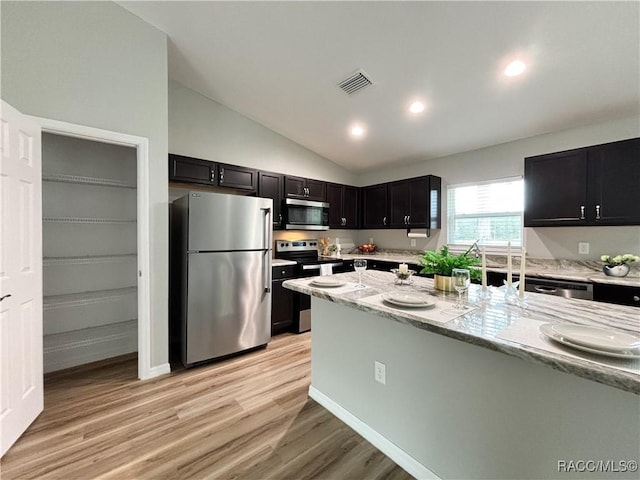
x=156 y=371
x=390 y=449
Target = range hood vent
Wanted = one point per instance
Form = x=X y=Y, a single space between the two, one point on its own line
x=355 y=82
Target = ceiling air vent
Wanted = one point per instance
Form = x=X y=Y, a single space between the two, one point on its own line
x=355 y=82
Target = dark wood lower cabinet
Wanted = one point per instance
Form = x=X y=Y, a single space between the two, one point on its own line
x=619 y=294
x=282 y=300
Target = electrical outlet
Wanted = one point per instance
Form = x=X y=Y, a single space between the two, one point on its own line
x=413 y=242
x=583 y=248
x=380 y=373
x=370 y=239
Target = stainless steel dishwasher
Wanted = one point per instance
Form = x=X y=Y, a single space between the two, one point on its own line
x=560 y=288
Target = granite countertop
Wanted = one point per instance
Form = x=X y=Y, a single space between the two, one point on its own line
x=491 y=318
x=553 y=269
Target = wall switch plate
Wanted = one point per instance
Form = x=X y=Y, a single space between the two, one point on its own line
x=583 y=248
x=413 y=242
x=380 y=373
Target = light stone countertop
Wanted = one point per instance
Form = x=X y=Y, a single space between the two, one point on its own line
x=481 y=326
x=552 y=269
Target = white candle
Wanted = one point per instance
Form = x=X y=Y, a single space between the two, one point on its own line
x=521 y=285
x=484 y=271
x=403 y=268
x=509 y=273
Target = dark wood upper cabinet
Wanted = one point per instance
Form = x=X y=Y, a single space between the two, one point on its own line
x=415 y=202
x=398 y=204
x=351 y=206
x=294 y=187
x=305 y=188
x=598 y=185
x=614 y=183
x=192 y=170
x=205 y=172
x=374 y=206
x=316 y=190
x=555 y=187
x=343 y=206
x=239 y=178
x=271 y=185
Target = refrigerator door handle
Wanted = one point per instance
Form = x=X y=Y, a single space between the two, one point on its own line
x=266 y=268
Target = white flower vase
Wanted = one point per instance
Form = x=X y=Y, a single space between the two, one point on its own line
x=616 y=270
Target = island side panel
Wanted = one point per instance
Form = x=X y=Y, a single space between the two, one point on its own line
x=463 y=411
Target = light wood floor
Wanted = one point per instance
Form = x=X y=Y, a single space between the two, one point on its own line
x=244 y=418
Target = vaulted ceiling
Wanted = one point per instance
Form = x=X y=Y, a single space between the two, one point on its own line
x=279 y=63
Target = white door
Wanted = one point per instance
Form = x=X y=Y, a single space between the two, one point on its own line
x=21 y=387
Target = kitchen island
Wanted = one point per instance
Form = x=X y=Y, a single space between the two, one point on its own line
x=477 y=396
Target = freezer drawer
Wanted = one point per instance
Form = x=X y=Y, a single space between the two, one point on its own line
x=228 y=304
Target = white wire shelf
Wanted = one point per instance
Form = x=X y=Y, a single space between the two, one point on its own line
x=89 y=260
x=86 y=298
x=105 y=182
x=88 y=220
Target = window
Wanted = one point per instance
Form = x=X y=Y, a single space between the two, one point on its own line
x=490 y=212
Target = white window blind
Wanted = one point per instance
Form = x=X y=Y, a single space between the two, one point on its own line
x=490 y=212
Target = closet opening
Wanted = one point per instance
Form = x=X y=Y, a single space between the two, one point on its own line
x=89 y=200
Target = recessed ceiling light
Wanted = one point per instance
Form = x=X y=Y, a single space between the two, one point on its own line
x=357 y=131
x=416 y=107
x=515 y=68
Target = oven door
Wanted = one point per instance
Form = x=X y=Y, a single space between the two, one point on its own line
x=306 y=215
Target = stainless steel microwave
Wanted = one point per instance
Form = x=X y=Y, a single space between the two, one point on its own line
x=306 y=215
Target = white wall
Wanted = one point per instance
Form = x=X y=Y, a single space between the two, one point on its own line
x=507 y=160
x=96 y=64
x=202 y=128
x=461 y=410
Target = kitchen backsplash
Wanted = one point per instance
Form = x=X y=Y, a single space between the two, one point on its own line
x=542 y=243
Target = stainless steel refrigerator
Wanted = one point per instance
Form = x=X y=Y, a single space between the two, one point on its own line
x=222 y=267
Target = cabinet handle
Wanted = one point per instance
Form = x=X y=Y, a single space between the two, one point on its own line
x=597 y=212
x=213 y=175
x=408 y=219
x=221 y=175
x=384 y=221
x=280 y=218
x=636 y=298
x=581 y=212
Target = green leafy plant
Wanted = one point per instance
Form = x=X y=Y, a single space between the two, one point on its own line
x=443 y=263
x=619 y=259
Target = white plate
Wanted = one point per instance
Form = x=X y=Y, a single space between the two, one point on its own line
x=548 y=331
x=598 y=338
x=408 y=300
x=327 y=282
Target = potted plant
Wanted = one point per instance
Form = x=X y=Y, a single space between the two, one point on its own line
x=442 y=263
x=618 y=266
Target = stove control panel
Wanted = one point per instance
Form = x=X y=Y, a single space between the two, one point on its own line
x=296 y=245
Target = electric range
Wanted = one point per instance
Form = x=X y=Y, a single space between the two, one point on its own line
x=308 y=262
